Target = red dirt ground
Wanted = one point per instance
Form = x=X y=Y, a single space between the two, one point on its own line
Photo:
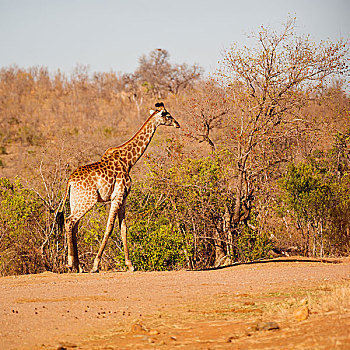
x=214 y=309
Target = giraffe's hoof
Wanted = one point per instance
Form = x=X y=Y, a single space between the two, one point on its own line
x=95 y=270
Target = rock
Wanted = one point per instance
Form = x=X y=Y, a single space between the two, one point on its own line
x=138 y=328
x=262 y=326
x=301 y=313
x=268 y=326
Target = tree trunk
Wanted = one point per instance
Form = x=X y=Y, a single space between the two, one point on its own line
x=219 y=250
x=237 y=208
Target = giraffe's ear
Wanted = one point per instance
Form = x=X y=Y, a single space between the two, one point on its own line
x=151 y=111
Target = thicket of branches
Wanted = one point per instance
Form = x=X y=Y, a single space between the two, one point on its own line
x=261 y=161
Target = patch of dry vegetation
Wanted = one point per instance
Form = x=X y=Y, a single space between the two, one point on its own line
x=250 y=321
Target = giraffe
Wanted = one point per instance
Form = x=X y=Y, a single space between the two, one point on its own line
x=108 y=180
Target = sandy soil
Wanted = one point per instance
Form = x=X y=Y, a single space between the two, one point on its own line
x=236 y=307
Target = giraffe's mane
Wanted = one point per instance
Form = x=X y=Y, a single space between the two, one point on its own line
x=140 y=130
x=112 y=149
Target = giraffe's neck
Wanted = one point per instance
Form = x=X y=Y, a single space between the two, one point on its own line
x=136 y=146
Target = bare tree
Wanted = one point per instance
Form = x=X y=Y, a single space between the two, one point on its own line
x=160 y=77
x=206 y=110
x=268 y=85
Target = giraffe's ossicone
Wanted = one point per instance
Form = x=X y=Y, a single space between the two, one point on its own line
x=107 y=180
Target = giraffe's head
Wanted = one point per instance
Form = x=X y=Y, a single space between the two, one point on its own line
x=164 y=116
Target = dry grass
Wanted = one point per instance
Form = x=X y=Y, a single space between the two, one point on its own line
x=331 y=299
x=326 y=299
x=231 y=321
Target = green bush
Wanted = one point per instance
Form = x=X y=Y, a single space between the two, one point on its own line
x=155 y=243
x=316 y=195
x=21 y=215
x=156 y=247
x=251 y=245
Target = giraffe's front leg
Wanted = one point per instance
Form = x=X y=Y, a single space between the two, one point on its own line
x=124 y=233
x=110 y=224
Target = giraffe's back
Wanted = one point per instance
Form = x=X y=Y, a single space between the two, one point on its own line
x=99 y=177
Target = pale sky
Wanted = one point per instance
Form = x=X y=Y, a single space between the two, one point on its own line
x=113 y=34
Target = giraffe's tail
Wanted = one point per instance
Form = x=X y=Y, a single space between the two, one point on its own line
x=60 y=212
x=60 y=221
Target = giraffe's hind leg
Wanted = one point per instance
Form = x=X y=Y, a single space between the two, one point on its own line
x=73 y=258
x=78 y=210
x=79 y=267
x=71 y=231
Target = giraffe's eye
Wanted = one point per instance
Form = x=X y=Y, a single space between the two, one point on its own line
x=164 y=114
